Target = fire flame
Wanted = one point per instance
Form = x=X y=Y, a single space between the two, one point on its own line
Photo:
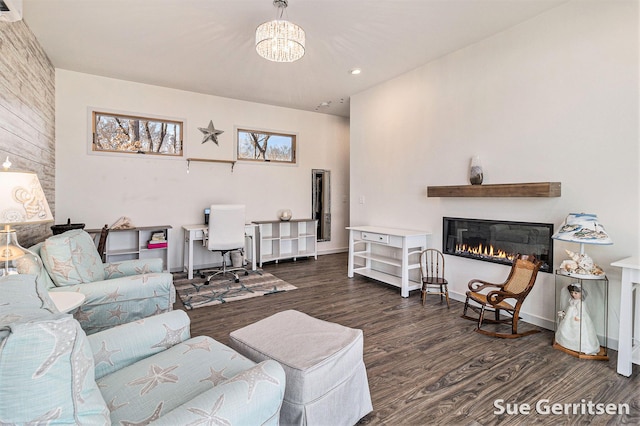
x=483 y=251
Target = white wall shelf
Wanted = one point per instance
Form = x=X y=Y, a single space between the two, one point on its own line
x=128 y=244
x=286 y=239
x=207 y=160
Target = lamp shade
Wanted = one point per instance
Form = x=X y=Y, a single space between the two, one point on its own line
x=22 y=199
x=280 y=41
x=582 y=228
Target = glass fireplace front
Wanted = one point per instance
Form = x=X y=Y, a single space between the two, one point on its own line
x=497 y=241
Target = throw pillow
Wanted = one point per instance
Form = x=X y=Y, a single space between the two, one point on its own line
x=24 y=291
x=47 y=374
x=27 y=265
x=72 y=258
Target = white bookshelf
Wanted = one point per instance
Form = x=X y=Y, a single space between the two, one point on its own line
x=291 y=239
x=128 y=244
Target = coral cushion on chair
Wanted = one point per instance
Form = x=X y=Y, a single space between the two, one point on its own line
x=72 y=258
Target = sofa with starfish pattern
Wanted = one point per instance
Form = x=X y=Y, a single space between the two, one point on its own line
x=149 y=371
x=116 y=293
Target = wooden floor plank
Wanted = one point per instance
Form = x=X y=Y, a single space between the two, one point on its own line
x=425 y=364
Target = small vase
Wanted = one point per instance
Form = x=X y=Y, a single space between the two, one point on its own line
x=475 y=171
x=285 y=215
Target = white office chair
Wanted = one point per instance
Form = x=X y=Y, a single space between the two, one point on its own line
x=226 y=234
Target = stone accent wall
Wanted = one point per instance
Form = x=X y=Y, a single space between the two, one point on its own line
x=27 y=114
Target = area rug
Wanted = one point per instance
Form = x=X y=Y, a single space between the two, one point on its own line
x=195 y=294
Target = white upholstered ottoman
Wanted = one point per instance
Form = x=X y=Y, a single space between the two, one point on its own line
x=326 y=376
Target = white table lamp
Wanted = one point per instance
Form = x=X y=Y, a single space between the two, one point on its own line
x=22 y=202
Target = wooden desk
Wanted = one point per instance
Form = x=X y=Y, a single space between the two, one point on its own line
x=196 y=233
x=629 y=337
x=379 y=249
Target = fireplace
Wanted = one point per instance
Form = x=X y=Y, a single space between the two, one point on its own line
x=497 y=241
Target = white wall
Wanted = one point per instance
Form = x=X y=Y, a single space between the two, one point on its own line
x=98 y=189
x=552 y=99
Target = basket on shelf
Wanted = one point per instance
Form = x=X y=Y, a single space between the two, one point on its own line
x=59 y=229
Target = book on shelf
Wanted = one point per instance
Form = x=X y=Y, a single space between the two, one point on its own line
x=156 y=244
x=158 y=236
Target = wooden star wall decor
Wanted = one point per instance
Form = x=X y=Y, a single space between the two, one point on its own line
x=210 y=133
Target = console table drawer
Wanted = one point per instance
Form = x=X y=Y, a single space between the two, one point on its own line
x=378 y=238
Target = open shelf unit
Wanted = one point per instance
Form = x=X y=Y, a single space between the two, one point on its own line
x=388 y=255
x=286 y=239
x=128 y=244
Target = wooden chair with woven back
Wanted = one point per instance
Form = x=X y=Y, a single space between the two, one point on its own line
x=507 y=297
x=432 y=275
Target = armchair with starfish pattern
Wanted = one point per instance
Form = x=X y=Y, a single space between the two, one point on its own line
x=149 y=371
x=115 y=293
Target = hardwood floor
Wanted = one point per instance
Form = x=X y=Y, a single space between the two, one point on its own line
x=426 y=365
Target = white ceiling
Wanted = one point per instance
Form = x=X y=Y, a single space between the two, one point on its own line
x=207 y=46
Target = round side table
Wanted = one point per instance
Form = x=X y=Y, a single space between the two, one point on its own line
x=66 y=301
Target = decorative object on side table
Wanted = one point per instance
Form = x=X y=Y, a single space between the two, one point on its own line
x=285 y=215
x=581 y=320
x=22 y=202
x=581 y=228
x=475 y=171
x=123 y=222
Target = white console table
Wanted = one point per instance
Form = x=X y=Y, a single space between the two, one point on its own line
x=629 y=337
x=196 y=233
x=386 y=254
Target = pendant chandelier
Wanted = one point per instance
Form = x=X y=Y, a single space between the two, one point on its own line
x=280 y=40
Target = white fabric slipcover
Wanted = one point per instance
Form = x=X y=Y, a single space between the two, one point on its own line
x=326 y=376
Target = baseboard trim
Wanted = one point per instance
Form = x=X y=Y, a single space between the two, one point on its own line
x=333 y=251
x=545 y=323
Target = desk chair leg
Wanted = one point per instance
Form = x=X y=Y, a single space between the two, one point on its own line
x=223 y=271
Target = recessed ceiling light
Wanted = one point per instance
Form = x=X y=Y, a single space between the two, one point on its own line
x=325 y=104
x=355 y=71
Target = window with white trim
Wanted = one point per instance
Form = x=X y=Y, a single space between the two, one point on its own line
x=122 y=133
x=264 y=146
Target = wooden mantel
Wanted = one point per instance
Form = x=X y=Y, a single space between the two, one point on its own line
x=536 y=189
